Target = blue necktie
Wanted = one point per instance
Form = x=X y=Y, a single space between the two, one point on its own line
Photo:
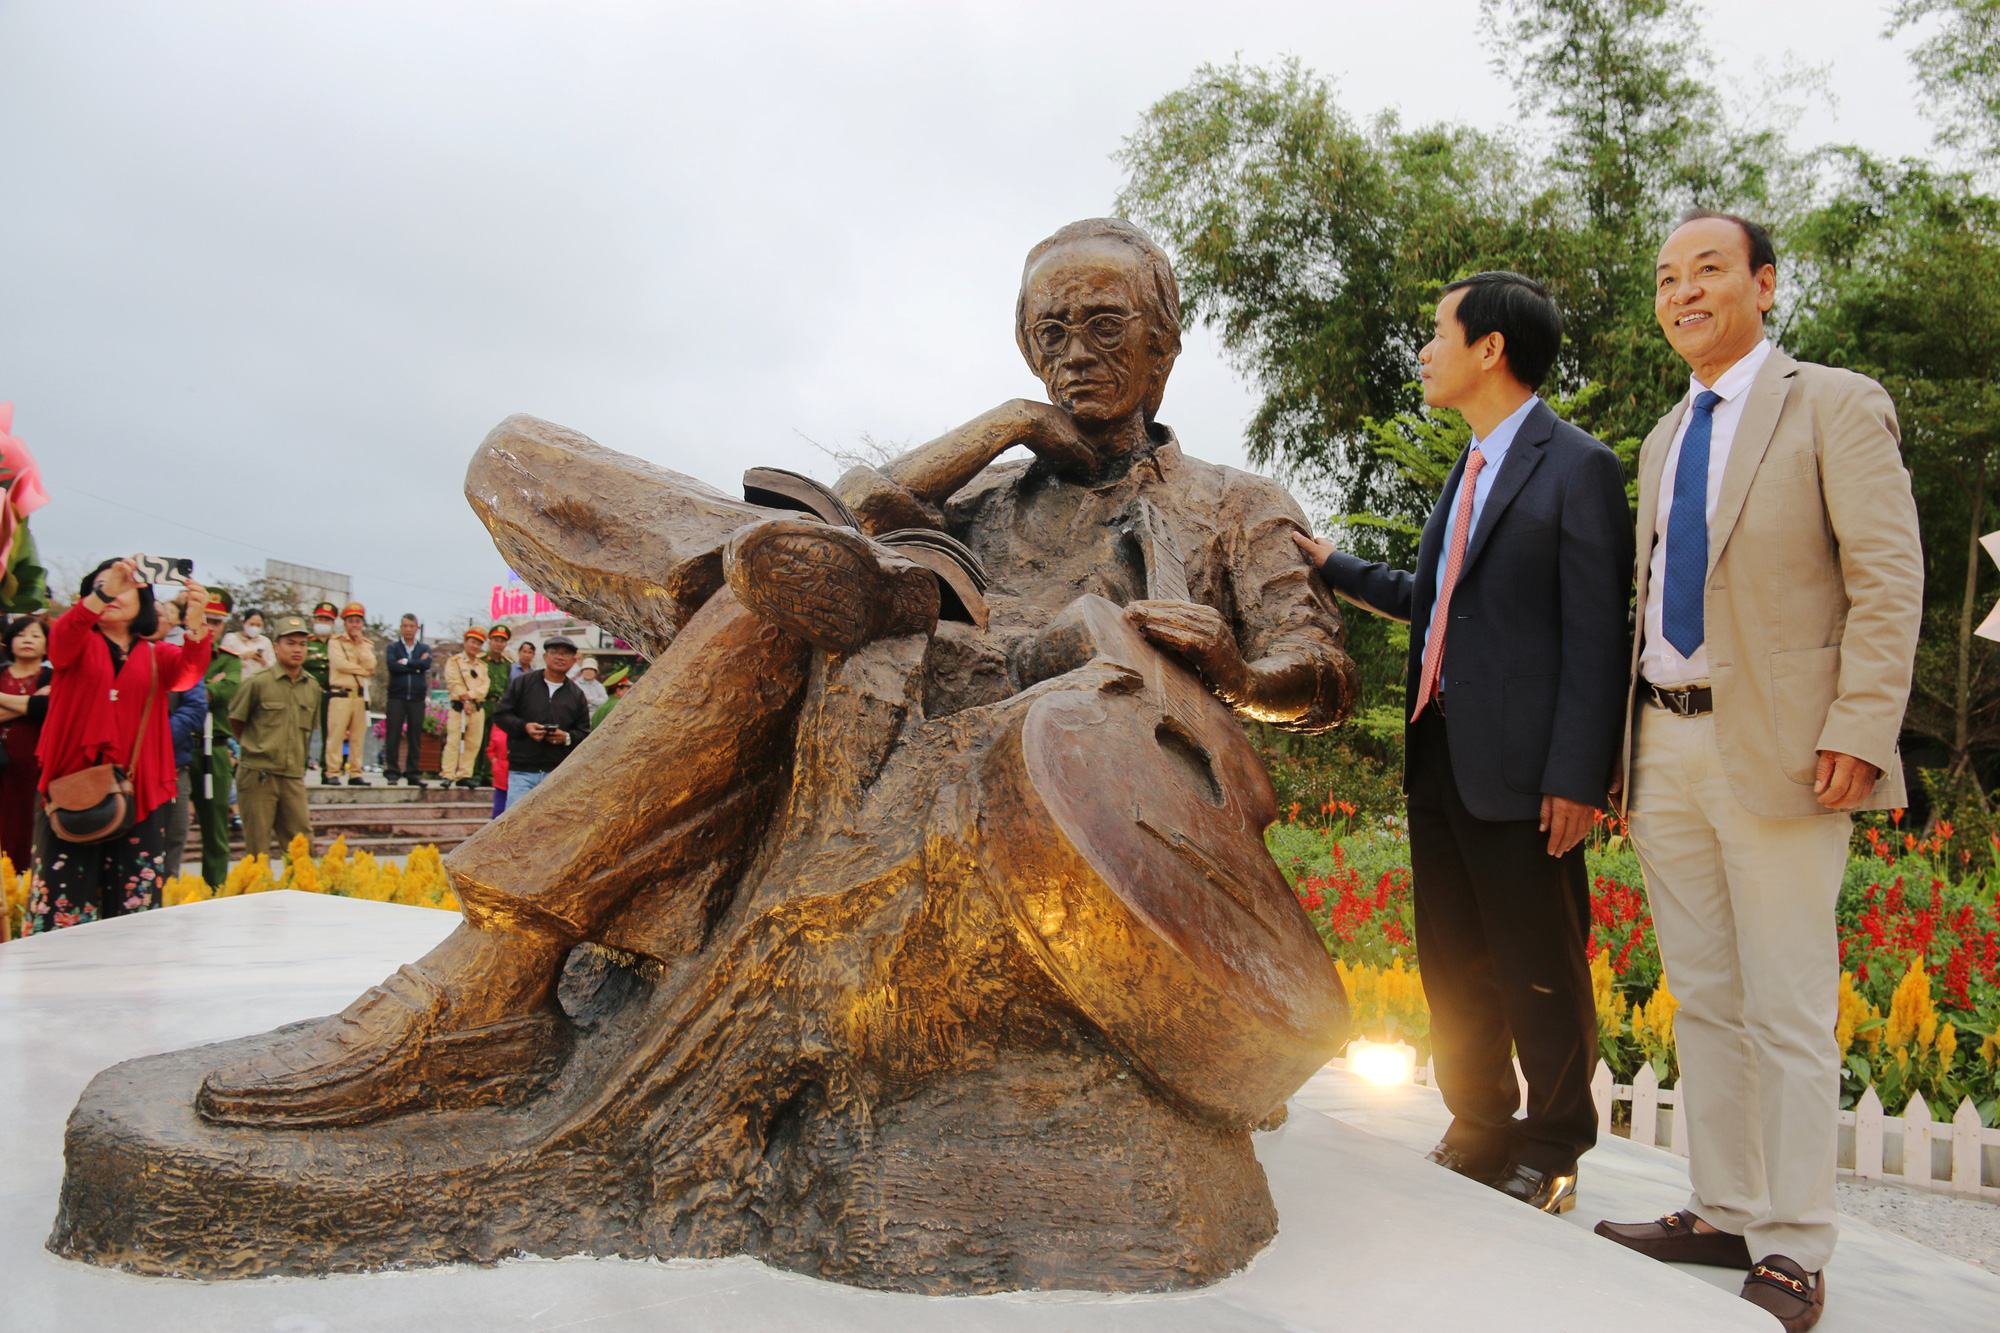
x=1687 y=534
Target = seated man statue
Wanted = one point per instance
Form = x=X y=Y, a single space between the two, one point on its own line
x=840 y=874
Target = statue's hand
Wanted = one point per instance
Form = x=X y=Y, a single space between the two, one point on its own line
x=1052 y=434
x=1199 y=634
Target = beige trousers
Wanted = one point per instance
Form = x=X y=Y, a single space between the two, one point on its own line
x=462 y=732
x=346 y=720
x=1743 y=906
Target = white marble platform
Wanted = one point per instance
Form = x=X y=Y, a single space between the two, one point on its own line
x=1371 y=1237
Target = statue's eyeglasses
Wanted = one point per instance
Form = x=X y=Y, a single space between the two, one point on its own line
x=1106 y=333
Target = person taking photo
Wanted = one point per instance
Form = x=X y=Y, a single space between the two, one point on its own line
x=108 y=705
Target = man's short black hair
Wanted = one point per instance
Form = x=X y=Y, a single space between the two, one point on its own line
x=1521 y=311
x=411 y=616
x=1763 y=251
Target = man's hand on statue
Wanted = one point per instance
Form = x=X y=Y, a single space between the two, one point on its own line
x=1843 y=782
x=1199 y=634
x=1051 y=434
x=1317 y=549
x=1565 y=821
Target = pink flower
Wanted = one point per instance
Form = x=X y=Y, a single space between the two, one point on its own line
x=21 y=471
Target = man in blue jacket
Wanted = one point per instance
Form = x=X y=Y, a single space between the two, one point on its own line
x=1515 y=708
x=409 y=687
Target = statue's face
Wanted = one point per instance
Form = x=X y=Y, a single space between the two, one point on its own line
x=1109 y=360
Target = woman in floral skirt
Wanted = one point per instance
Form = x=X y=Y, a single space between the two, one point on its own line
x=106 y=675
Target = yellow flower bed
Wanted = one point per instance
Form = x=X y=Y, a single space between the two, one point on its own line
x=422 y=883
x=1387 y=1003
x=14 y=892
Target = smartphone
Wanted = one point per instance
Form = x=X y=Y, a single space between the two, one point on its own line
x=158 y=569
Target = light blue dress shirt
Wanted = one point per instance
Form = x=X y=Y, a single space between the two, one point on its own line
x=1495 y=448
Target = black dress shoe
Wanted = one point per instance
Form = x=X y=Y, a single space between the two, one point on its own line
x=357 y=782
x=1549 y=1191
x=1483 y=1170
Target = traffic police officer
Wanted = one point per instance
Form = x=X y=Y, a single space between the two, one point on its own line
x=350 y=666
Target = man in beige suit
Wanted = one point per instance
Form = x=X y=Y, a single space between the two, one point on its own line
x=1780 y=587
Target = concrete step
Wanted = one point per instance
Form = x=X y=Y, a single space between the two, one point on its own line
x=410 y=812
x=381 y=795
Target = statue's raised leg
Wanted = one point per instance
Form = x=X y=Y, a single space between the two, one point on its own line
x=664 y=796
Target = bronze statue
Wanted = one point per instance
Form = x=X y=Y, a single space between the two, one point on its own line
x=940 y=954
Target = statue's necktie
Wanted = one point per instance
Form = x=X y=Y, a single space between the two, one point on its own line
x=1687 y=534
x=1461 y=532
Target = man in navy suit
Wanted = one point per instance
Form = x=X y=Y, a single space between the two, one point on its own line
x=409 y=687
x=1518 y=646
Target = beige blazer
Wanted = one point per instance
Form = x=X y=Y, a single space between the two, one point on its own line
x=1815 y=585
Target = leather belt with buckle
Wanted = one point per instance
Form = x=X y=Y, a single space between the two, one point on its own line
x=1690 y=702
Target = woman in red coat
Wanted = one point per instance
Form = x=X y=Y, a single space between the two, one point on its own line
x=106 y=670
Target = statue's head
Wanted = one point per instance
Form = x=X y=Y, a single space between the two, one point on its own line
x=1099 y=319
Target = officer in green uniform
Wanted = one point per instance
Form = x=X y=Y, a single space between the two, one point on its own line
x=326 y=623
x=214 y=769
x=272 y=716
x=497 y=676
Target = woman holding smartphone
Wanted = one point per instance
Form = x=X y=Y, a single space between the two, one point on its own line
x=108 y=705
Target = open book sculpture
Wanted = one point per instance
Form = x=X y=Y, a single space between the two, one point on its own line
x=909 y=924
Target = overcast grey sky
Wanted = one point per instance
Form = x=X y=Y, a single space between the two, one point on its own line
x=271 y=270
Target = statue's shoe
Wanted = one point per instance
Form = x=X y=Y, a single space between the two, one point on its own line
x=384 y=1055
x=830 y=586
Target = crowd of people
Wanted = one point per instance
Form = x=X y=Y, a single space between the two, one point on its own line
x=138 y=731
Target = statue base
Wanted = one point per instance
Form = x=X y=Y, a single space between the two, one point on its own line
x=1045 y=1170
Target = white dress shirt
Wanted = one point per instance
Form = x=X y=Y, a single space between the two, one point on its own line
x=1659 y=661
x=1495 y=448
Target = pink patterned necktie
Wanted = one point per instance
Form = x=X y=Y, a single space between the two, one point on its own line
x=1461 y=532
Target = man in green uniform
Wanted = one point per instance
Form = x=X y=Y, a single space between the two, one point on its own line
x=497 y=676
x=213 y=772
x=326 y=622
x=272 y=716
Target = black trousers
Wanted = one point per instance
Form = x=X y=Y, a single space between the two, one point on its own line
x=1501 y=927
x=404 y=717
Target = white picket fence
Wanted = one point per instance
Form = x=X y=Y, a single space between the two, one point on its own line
x=1959 y=1156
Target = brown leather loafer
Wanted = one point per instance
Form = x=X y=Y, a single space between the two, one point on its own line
x=1795 y=1297
x=1548 y=1191
x=1483 y=1170
x=1673 y=1239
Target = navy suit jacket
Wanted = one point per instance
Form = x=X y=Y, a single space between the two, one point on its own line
x=1536 y=653
x=409 y=669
